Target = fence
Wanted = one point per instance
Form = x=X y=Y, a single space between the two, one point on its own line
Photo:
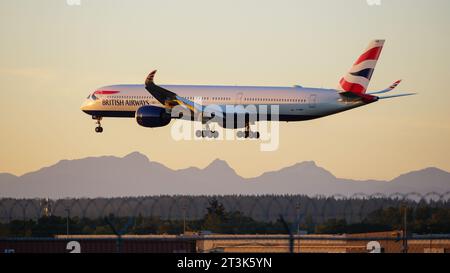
x=383 y=243
x=294 y=208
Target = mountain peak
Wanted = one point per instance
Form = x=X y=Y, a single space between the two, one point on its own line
x=135 y=175
x=308 y=163
x=136 y=156
x=218 y=164
x=426 y=172
x=304 y=168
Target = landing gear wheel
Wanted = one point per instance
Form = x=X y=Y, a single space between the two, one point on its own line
x=207 y=133
x=99 y=127
x=247 y=133
x=247 y=130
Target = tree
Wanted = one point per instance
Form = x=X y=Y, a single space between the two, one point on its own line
x=215 y=217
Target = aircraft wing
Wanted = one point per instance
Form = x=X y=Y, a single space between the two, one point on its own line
x=169 y=98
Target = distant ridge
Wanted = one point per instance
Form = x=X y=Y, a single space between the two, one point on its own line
x=136 y=175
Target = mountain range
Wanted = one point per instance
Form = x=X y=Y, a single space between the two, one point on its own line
x=136 y=175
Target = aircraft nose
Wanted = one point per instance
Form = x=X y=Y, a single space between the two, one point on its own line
x=86 y=105
x=83 y=105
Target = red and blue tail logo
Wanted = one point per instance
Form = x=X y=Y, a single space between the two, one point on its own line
x=358 y=78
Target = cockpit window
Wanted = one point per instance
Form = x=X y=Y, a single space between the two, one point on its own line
x=89 y=96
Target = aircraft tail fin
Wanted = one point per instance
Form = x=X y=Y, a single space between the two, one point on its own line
x=358 y=78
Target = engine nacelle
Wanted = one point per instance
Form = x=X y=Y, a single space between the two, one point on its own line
x=152 y=116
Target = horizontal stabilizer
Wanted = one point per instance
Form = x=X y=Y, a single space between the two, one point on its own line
x=399 y=95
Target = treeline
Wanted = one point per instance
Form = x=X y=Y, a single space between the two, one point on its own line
x=261 y=208
x=217 y=219
x=420 y=220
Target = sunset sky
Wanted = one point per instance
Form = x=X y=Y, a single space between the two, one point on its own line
x=54 y=54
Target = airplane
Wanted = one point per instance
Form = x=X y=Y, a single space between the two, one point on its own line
x=155 y=105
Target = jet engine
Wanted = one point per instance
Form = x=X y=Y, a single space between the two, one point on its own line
x=152 y=116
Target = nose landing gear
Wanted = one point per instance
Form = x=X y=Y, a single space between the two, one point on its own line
x=99 y=127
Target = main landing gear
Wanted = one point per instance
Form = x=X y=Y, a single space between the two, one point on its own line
x=99 y=127
x=247 y=133
x=207 y=133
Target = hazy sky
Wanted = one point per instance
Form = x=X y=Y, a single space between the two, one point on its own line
x=53 y=54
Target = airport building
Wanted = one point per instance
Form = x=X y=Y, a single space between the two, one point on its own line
x=379 y=242
x=383 y=242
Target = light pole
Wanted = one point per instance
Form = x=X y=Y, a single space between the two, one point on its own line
x=67 y=220
x=431 y=236
x=297 y=209
x=184 y=219
x=405 y=240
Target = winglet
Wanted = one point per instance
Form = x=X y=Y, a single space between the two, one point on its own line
x=150 y=78
x=390 y=88
x=395 y=84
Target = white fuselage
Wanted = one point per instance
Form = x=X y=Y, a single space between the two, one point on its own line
x=295 y=103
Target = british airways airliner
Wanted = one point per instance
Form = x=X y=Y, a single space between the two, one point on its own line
x=154 y=105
